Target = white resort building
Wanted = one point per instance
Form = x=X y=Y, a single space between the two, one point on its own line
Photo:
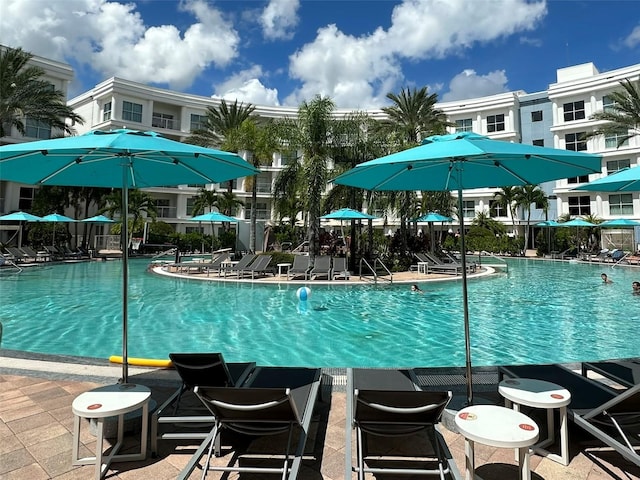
x=557 y=117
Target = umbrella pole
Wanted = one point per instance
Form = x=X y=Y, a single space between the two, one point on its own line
x=465 y=300
x=125 y=273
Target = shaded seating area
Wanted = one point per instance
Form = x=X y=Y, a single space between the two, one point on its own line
x=300 y=267
x=436 y=265
x=273 y=401
x=609 y=415
x=39 y=256
x=395 y=425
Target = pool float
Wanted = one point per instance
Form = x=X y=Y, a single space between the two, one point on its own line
x=143 y=362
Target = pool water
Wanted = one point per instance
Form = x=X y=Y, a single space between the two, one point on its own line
x=538 y=312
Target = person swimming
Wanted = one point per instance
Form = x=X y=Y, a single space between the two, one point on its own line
x=605 y=278
x=636 y=288
x=416 y=288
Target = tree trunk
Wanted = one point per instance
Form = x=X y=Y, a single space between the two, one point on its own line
x=252 y=227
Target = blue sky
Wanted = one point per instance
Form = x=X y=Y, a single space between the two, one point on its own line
x=282 y=52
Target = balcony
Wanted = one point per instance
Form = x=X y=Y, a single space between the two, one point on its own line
x=160 y=121
x=167 y=212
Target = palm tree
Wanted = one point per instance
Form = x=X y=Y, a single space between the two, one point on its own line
x=25 y=95
x=412 y=116
x=220 y=123
x=525 y=197
x=507 y=197
x=310 y=133
x=623 y=117
x=141 y=205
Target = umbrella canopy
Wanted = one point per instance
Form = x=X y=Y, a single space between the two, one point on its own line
x=348 y=214
x=20 y=217
x=627 y=180
x=577 y=222
x=119 y=159
x=98 y=219
x=214 y=217
x=547 y=223
x=467 y=160
x=433 y=217
x=619 y=223
x=55 y=217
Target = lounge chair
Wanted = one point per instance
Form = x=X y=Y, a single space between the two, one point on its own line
x=38 y=256
x=194 y=421
x=258 y=267
x=388 y=403
x=242 y=264
x=609 y=415
x=275 y=400
x=625 y=372
x=438 y=266
x=321 y=268
x=340 y=269
x=18 y=256
x=300 y=266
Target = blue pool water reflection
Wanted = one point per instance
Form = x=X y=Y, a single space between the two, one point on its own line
x=538 y=312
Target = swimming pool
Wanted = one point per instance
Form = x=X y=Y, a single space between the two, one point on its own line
x=538 y=312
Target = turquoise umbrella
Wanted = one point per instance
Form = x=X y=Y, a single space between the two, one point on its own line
x=626 y=180
x=213 y=217
x=431 y=218
x=548 y=223
x=347 y=214
x=19 y=217
x=119 y=159
x=56 y=218
x=462 y=161
x=98 y=219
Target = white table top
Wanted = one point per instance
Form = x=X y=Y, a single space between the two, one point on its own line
x=534 y=393
x=283 y=264
x=497 y=426
x=110 y=400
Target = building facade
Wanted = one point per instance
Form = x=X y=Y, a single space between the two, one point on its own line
x=557 y=117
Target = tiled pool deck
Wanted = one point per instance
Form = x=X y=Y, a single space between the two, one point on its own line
x=36 y=425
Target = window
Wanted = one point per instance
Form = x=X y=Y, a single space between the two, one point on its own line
x=539 y=142
x=495 y=123
x=25 y=201
x=614 y=166
x=190 y=202
x=496 y=209
x=580 y=205
x=469 y=208
x=609 y=104
x=164 y=208
x=611 y=140
x=198 y=122
x=263 y=184
x=132 y=112
x=621 y=204
x=162 y=120
x=106 y=112
x=573 y=111
x=580 y=179
x=576 y=141
x=464 y=125
x=262 y=212
x=37 y=129
x=536 y=116
x=233 y=183
x=288 y=157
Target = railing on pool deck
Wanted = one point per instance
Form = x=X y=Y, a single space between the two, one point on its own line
x=374 y=270
x=489 y=260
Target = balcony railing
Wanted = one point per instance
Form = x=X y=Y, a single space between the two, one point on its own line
x=168 y=123
x=167 y=212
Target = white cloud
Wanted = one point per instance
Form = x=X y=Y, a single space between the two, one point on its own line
x=633 y=39
x=245 y=87
x=112 y=38
x=468 y=84
x=531 y=41
x=279 y=18
x=359 y=71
